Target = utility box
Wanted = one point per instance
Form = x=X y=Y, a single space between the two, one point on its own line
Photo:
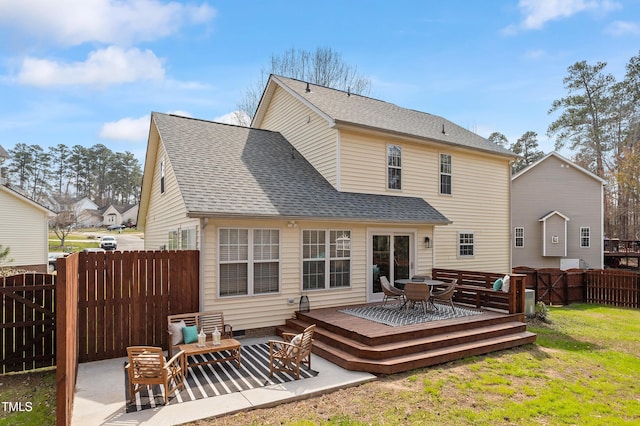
x=529 y=302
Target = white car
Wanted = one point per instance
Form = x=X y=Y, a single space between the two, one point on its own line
x=108 y=243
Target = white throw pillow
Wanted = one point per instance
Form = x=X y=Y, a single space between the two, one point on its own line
x=176 y=332
x=297 y=339
x=505 y=283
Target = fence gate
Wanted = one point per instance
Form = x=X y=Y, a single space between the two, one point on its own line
x=28 y=322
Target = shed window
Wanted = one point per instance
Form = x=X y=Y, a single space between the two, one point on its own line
x=585 y=237
x=519 y=236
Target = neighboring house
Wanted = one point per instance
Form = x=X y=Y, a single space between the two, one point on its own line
x=119 y=215
x=24 y=229
x=325 y=194
x=557 y=215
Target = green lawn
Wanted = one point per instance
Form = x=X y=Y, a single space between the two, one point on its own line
x=584 y=369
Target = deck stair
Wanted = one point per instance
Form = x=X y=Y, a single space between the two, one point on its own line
x=360 y=345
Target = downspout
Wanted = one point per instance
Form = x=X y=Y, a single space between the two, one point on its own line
x=338 y=179
x=203 y=226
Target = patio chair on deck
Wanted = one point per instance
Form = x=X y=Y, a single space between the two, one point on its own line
x=295 y=350
x=417 y=293
x=445 y=294
x=148 y=366
x=390 y=292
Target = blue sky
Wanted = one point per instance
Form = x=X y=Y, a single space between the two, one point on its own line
x=83 y=72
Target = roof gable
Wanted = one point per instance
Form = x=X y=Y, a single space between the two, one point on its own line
x=551 y=214
x=226 y=170
x=341 y=108
x=562 y=159
x=25 y=199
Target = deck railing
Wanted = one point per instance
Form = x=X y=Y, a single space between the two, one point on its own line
x=476 y=289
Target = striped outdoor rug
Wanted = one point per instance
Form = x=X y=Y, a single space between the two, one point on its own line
x=393 y=316
x=216 y=379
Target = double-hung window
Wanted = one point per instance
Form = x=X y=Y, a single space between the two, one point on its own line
x=188 y=238
x=466 y=244
x=518 y=236
x=394 y=167
x=445 y=174
x=326 y=259
x=249 y=261
x=585 y=237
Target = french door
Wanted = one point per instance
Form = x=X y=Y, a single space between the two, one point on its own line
x=391 y=255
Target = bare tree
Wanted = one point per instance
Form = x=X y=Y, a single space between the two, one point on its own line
x=65 y=219
x=323 y=67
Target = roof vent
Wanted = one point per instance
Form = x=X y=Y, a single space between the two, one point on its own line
x=349 y=91
x=308 y=89
x=443 y=132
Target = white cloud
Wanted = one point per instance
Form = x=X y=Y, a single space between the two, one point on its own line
x=73 y=22
x=127 y=129
x=537 y=13
x=238 y=118
x=103 y=67
x=622 y=28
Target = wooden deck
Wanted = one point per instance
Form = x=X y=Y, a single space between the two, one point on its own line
x=361 y=345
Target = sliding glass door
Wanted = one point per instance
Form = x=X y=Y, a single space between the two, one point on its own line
x=390 y=256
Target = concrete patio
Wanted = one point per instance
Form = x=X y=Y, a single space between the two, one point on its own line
x=100 y=394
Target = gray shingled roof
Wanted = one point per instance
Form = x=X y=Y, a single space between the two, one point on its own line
x=226 y=170
x=372 y=113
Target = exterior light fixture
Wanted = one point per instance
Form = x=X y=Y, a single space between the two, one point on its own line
x=427 y=242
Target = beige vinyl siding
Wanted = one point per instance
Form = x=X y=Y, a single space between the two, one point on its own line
x=166 y=210
x=537 y=193
x=248 y=312
x=24 y=230
x=479 y=201
x=308 y=132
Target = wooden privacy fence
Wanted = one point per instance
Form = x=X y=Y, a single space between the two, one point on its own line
x=108 y=301
x=27 y=335
x=124 y=299
x=604 y=286
x=616 y=288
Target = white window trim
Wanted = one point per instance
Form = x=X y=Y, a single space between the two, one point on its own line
x=588 y=228
x=327 y=259
x=163 y=180
x=458 y=245
x=249 y=262
x=440 y=174
x=393 y=167
x=515 y=237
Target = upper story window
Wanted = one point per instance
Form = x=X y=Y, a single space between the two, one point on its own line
x=518 y=236
x=394 y=167
x=466 y=244
x=249 y=261
x=162 y=177
x=326 y=259
x=445 y=174
x=585 y=237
